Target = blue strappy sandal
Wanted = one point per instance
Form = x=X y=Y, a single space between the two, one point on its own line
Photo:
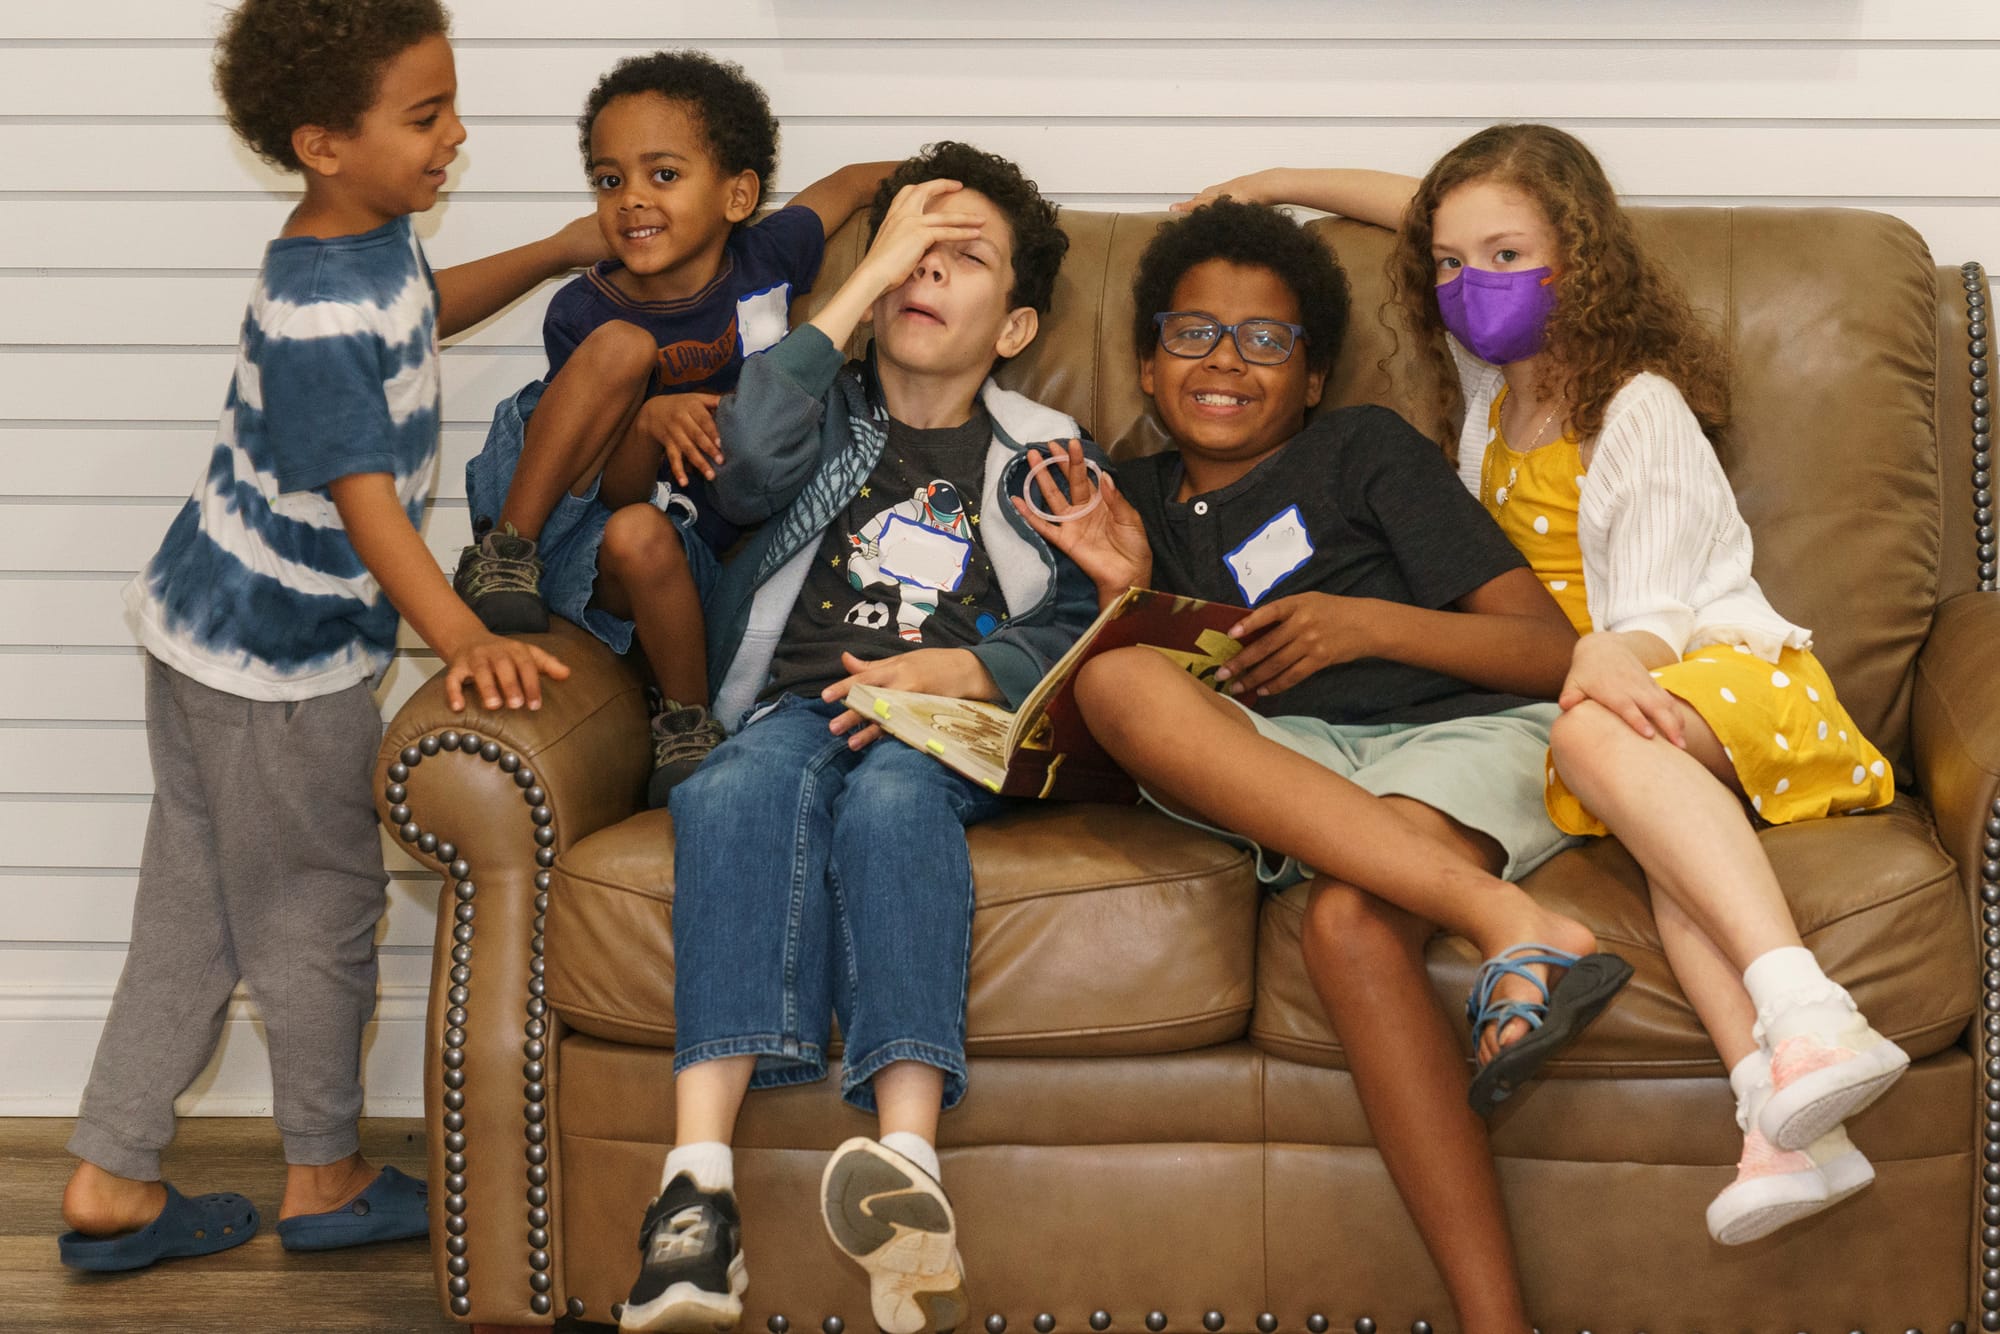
x=1578 y=997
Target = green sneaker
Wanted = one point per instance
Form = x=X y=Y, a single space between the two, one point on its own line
x=500 y=578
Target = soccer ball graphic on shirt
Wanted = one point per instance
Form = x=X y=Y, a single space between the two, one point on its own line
x=868 y=615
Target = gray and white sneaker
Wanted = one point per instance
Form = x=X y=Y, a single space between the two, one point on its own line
x=893 y=1219
x=500 y=578
x=683 y=735
x=691 y=1272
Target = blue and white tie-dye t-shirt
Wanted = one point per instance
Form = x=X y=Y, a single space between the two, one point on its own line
x=256 y=589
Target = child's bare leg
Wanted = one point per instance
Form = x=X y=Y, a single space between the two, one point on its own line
x=98 y=1204
x=632 y=468
x=642 y=575
x=1712 y=984
x=582 y=415
x=1366 y=960
x=1690 y=789
x=908 y=1098
x=1679 y=814
x=1200 y=753
x=707 y=1097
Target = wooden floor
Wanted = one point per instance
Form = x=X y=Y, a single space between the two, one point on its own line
x=256 y=1287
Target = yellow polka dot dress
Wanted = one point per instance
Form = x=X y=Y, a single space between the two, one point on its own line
x=1797 y=754
x=1533 y=497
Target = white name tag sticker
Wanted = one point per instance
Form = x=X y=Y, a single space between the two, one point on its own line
x=1269 y=554
x=914 y=553
x=761 y=318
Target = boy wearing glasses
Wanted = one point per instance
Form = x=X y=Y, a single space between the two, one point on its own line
x=1399 y=658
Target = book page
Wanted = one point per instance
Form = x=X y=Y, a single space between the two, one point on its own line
x=969 y=735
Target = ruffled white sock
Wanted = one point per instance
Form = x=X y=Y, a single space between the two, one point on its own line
x=1744 y=1078
x=1787 y=983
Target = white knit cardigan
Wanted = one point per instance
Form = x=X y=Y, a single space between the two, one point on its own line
x=1665 y=549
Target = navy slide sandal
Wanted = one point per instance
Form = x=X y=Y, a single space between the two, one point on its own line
x=392 y=1208
x=185 y=1227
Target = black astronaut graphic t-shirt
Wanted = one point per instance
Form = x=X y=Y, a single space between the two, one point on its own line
x=902 y=567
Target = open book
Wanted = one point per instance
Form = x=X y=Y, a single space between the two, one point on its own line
x=1043 y=749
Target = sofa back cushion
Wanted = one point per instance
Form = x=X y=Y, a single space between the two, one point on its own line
x=1827 y=315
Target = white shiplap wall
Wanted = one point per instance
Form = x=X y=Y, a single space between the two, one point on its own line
x=131 y=223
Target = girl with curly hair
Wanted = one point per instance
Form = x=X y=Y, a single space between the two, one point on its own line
x=1693 y=711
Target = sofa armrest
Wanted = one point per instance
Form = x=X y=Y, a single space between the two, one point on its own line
x=488 y=800
x=587 y=744
x=1956 y=732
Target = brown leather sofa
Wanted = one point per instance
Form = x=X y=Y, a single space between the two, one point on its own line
x=1160 y=1134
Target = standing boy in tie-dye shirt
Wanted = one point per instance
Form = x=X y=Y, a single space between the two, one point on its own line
x=268 y=612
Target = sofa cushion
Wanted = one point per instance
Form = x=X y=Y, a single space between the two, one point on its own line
x=1097 y=930
x=1876 y=898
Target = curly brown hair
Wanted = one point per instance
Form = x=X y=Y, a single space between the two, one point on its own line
x=1039 y=240
x=280 y=64
x=1617 y=312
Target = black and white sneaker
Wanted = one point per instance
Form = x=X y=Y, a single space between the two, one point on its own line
x=893 y=1219
x=691 y=1271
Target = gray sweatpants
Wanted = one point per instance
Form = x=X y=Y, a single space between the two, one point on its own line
x=261 y=863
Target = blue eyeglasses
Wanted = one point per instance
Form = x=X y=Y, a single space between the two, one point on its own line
x=1194 y=333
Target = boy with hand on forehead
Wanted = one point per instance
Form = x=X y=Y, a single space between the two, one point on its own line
x=679 y=148
x=1401 y=657
x=887 y=553
x=266 y=616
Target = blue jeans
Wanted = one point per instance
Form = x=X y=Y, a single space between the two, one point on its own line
x=813 y=881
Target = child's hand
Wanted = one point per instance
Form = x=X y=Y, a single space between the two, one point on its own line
x=1295 y=637
x=1606 y=670
x=918 y=218
x=1251 y=189
x=684 y=426
x=500 y=670
x=1108 y=544
x=581 y=242
x=956 y=672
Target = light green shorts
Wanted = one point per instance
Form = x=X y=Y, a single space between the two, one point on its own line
x=1486 y=772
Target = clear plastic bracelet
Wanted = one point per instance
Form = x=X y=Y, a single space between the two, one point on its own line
x=1096 y=489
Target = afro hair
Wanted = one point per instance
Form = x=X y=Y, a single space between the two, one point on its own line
x=1253 y=235
x=730 y=108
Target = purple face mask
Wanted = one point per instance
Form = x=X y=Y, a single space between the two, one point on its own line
x=1498 y=316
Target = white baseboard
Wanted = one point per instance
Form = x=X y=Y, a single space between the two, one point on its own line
x=48 y=1035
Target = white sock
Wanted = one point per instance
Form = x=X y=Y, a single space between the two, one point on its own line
x=1744 y=1077
x=710 y=1164
x=1788 y=981
x=916 y=1148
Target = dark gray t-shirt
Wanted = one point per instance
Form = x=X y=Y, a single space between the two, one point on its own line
x=1359 y=504
x=902 y=567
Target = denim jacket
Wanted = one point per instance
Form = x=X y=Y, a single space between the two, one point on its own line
x=800 y=436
